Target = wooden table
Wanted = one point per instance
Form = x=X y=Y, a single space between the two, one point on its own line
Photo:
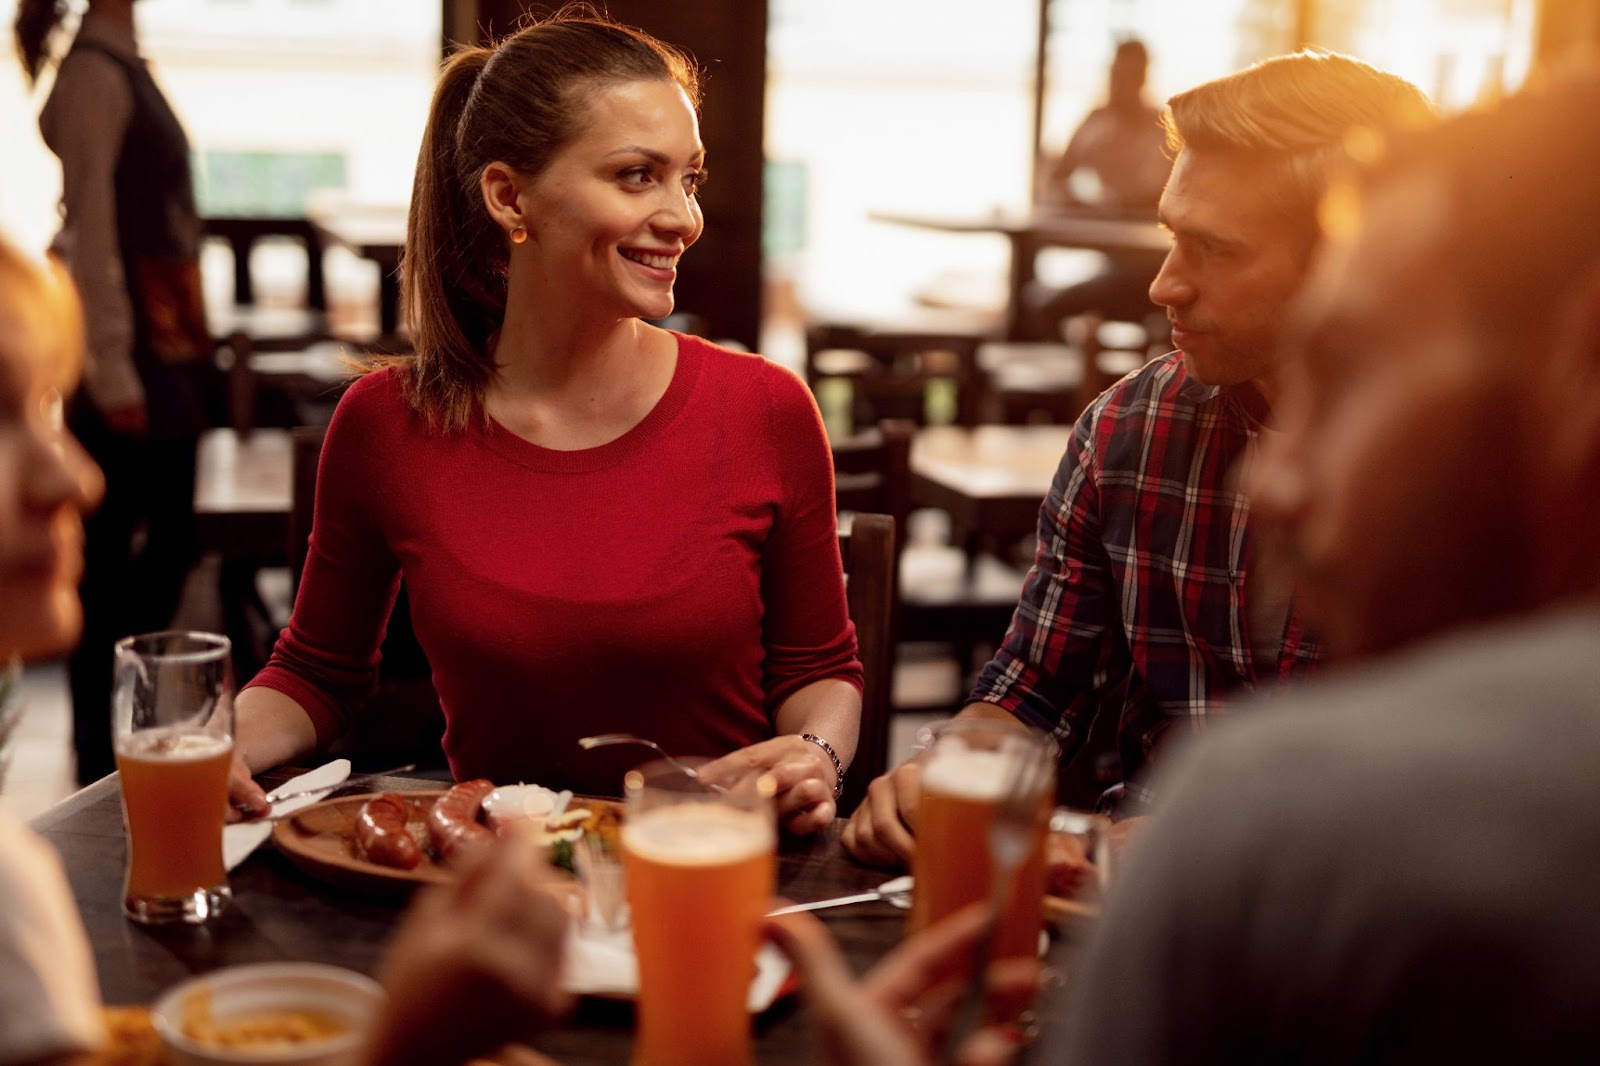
x=279 y=913
x=375 y=231
x=1031 y=231
x=242 y=492
x=991 y=479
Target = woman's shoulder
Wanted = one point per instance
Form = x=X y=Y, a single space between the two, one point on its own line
x=736 y=369
x=372 y=401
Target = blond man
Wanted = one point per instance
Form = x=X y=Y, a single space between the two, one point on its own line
x=1144 y=605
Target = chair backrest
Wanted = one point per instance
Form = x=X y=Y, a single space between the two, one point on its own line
x=867 y=551
x=872 y=472
x=307 y=450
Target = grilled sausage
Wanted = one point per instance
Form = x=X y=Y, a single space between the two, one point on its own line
x=453 y=823
x=381 y=833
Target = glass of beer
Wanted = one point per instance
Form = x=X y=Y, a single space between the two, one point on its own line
x=172 y=725
x=968 y=769
x=701 y=869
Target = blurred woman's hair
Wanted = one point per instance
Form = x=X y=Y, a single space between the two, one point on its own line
x=36 y=20
x=1293 y=112
x=39 y=301
x=518 y=102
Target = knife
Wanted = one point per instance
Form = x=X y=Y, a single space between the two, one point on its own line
x=242 y=838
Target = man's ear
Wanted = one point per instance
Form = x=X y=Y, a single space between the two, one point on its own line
x=502 y=195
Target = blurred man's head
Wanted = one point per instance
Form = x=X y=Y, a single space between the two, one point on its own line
x=1253 y=153
x=1440 y=460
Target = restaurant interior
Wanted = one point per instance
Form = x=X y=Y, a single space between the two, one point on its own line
x=872 y=226
x=885 y=220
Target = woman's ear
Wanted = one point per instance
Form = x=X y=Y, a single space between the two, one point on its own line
x=502 y=193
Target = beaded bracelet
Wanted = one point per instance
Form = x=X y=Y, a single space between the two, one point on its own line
x=838 y=767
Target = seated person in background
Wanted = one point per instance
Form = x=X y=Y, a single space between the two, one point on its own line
x=1397 y=865
x=1144 y=603
x=550 y=473
x=1117 y=159
x=473 y=964
x=1115 y=163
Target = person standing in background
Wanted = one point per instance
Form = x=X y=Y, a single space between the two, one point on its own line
x=130 y=236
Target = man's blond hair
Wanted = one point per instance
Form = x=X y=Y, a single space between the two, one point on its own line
x=1294 y=113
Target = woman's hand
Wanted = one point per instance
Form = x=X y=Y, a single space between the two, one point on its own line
x=802 y=770
x=246 y=799
x=900 y=1012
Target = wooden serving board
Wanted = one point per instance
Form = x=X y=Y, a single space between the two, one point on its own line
x=321 y=841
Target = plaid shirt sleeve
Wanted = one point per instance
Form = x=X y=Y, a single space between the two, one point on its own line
x=1061 y=651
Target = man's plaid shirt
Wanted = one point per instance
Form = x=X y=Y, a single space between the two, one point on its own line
x=1136 y=602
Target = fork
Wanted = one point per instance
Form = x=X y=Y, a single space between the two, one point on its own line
x=1010 y=838
x=606 y=739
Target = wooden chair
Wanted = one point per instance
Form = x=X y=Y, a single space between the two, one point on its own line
x=872 y=472
x=868 y=553
x=891 y=362
x=401 y=721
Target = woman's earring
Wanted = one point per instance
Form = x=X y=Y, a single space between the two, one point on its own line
x=519 y=234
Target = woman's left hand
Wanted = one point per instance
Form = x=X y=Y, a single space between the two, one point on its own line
x=802 y=770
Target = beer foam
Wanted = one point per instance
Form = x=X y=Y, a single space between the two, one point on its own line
x=698 y=834
x=170 y=745
x=952 y=769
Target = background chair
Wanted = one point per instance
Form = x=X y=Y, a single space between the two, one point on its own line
x=867 y=551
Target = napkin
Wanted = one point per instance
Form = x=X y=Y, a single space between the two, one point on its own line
x=241 y=838
x=601 y=962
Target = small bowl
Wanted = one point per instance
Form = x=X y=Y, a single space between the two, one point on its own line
x=264 y=988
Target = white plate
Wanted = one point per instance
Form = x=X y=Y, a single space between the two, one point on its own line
x=603 y=964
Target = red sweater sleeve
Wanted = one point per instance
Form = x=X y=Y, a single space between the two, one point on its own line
x=806 y=625
x=326 y=660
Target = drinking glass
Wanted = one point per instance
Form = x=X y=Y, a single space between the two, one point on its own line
x=969 y=767
x=172 y=725
x=701 y=867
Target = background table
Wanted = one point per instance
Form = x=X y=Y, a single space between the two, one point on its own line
x=1029 y=232
x=991 y=479
x=279 y=913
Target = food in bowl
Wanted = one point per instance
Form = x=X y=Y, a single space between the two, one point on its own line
x=287 y=1014
x=268 y=1030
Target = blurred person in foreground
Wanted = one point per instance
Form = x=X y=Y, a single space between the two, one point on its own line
x=130 y=233
x=1115 y=164
x=1145 y=604
x=473 y=965
x=551 y=473
x=1398 y=864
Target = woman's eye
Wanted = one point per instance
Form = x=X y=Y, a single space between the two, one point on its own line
x=695 y=180
x=635 y=176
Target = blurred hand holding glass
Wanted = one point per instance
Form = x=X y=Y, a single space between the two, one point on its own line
x=172 y=724
x=701 y=868
x=968 y=768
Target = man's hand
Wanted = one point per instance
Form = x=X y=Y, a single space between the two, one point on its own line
x=802 y=770
x=475 y=964
x=899 y=1014
x=880 y=831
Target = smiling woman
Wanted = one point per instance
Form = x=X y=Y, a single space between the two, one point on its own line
x=549 y=471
